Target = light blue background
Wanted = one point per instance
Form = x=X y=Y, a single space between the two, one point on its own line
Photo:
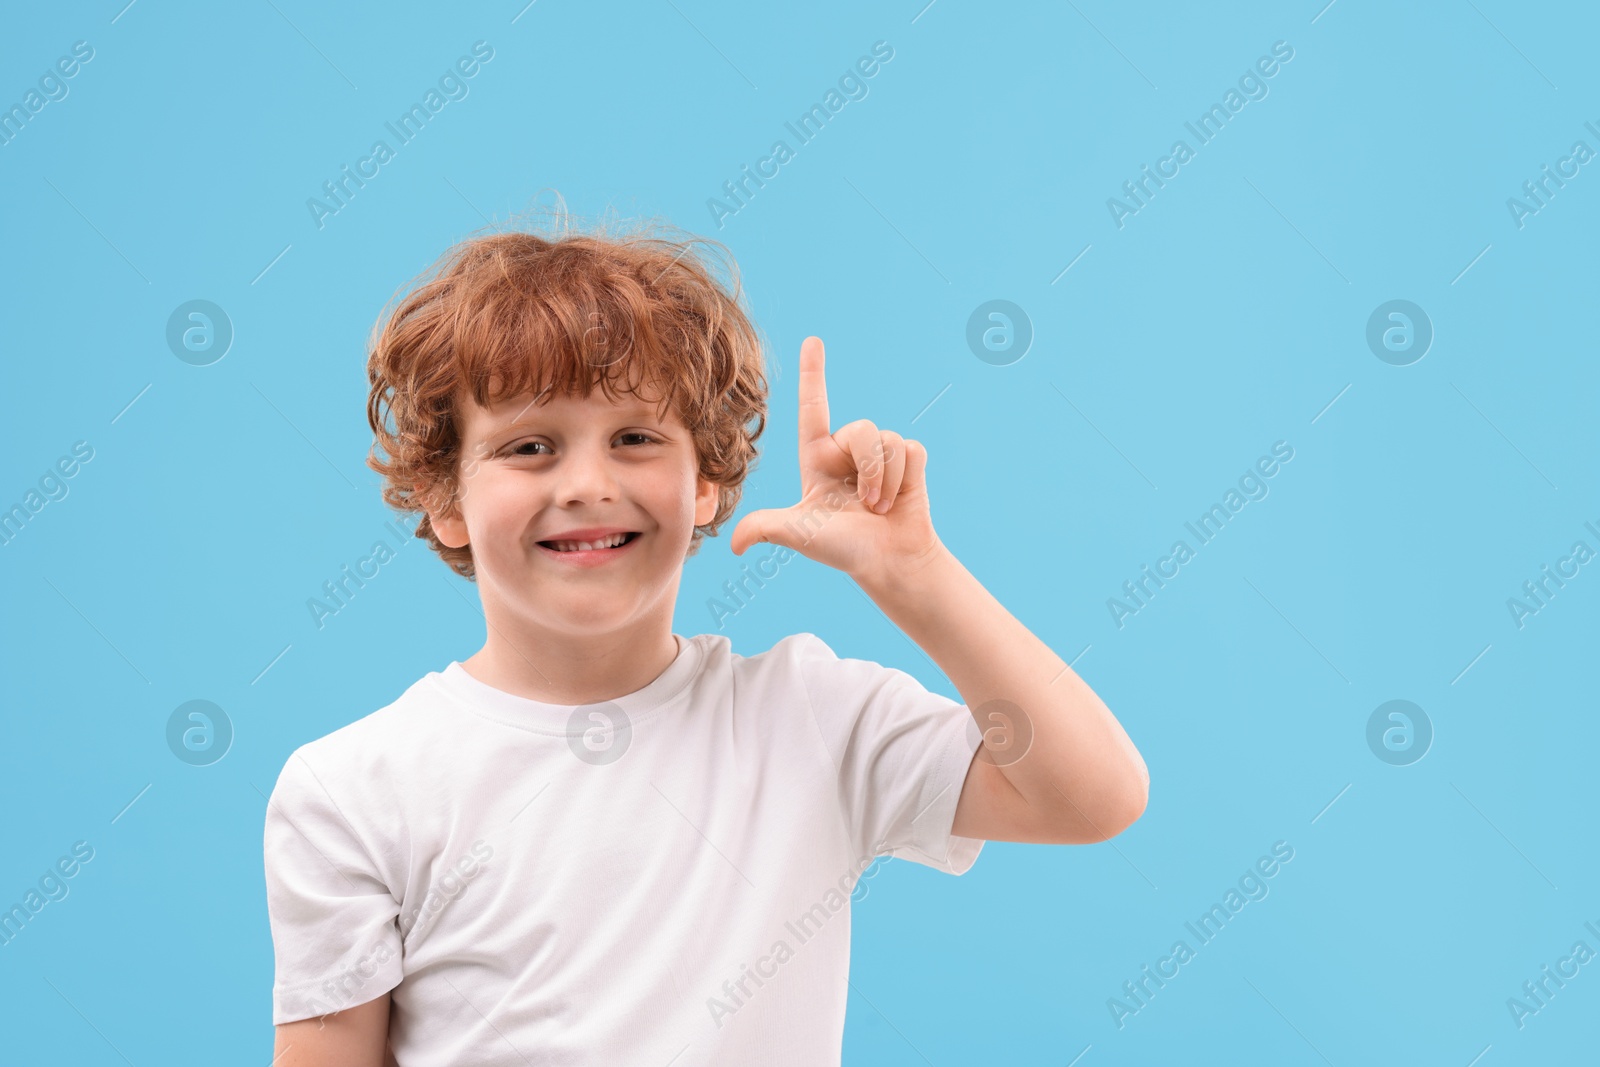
x=1223 y=317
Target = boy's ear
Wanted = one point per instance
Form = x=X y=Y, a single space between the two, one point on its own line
x=448 y=526
x=706 y=498
x=452 y=530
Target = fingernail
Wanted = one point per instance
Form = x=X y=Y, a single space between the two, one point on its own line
x=881 y=506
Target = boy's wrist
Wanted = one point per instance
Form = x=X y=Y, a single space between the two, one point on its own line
x=903 y=580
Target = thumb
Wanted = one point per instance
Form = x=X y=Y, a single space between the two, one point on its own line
x=772 y=525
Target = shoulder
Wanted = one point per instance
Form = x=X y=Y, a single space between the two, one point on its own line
x=792 y=672
x=794 y=657
x=812 y=659
x=379 y=746
x=350 y=794
x=803 y=666
x=795 y=648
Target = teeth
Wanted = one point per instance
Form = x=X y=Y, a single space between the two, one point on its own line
x=583 y=546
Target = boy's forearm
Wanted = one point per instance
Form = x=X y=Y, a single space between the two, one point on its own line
x=1080 y=764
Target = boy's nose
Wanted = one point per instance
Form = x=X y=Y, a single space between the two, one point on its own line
x=586 y=476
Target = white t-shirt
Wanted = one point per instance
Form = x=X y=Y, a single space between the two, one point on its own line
x=662 y=878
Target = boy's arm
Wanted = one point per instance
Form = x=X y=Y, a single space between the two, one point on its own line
x=1055 y=766
x=354 y=1037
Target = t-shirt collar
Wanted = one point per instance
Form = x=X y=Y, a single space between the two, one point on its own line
x=568 y=719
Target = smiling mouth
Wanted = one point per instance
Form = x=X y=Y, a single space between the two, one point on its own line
x=607 y=544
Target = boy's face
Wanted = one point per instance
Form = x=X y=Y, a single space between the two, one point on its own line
x=533 y=473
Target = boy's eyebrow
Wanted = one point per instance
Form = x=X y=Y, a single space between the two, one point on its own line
x=531 y=415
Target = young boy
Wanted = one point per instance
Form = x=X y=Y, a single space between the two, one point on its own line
x=595 y=841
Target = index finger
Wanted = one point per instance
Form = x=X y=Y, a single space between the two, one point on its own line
x=813 y=419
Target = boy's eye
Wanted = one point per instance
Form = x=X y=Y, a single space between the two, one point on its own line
x=518 y=449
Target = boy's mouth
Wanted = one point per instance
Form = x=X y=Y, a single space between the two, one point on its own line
x=599 y=545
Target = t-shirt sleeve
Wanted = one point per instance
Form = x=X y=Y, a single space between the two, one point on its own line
x=335 y=934
x=901 y=753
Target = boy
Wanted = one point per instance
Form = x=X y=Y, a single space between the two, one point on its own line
x=595 y=841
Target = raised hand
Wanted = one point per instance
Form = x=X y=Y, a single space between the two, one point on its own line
x=863 y=493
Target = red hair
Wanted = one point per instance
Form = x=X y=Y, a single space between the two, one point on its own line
x=510 y=313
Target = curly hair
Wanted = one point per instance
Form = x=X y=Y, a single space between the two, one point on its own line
x=513 y=313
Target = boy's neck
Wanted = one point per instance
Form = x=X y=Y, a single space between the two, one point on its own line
x=574 y=670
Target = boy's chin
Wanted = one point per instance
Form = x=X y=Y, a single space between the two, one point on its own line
x=580 y=612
